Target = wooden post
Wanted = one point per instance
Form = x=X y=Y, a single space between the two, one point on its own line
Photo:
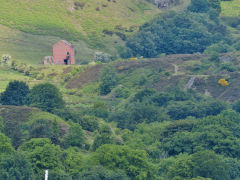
x=46 y=174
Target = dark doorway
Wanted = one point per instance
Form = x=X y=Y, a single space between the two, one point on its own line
x=67 y=59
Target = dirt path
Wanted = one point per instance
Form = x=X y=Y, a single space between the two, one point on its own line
x=175 y=69
x=190 y=83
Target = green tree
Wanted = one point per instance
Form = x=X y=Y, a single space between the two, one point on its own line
x=43 y=155
x=1 y=124
x=236 y=106
x=176 y=33
x=209 y=165
x=204 y=6
x=74 y=162
x=99 y=173
x=15 y=93
x=102 y=139
x=181 y=167
x=34 y=143
x=46 y=97
x=133 y=162
x=40 y=129
x=55 y=132
x=204 y=164
x=5 y=145
x=199 y=6
x=75 y=136
x=108 y=80
x=16 y=167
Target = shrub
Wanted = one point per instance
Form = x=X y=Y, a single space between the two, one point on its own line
x=46 y=97
x=15 y=94
x=6 y=58
x=102 y=57
x=121 y=92
x=223 y=82
x=75 y=136
x=89 y=123
x=133 y=162
x=228 y=66
x=108 y=80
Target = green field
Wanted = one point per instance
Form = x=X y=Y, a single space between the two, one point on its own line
x=31 y=49
x=230 y=8
x=61 y=18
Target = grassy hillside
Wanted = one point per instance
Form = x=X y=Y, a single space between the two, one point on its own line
x=29 y=28
x=31 y=49
x=230 y=8
x=45 y=22
x=66 y=19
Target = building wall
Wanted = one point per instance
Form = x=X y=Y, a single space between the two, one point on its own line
x=60 y=50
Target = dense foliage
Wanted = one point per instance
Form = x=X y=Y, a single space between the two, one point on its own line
x=15 y=94
x=140 y=120
x=179 y=33
x=46 y=97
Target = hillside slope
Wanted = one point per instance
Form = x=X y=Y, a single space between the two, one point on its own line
x=29 y=28
x=68 y=20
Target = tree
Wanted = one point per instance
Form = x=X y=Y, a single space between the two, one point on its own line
x=46 y=97
x=199 y=6
x=15 y=93
x=102 y=139
x=1 y=124
x=133 y=162
x=209 y=165
x=181 y=167
x=204 y=6
x=177 y=33
x=204 y=164
x=108 y=80
x=75 y=136
x=34 y=143
x=40 y=129
x=43 y=155
x=99 y=173
x=16 y=166
x=5 y=145
x=73 y=162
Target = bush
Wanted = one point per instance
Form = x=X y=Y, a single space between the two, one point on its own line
x=108 y=80
x=16 y=166
x=102 y=57
x=228 y=66
x=133 y=162
x=177 y=33
x=15 y=94
x=89 y=123
x=121 y=92
x=46 y=97
x=100 y=173
x=75 y=136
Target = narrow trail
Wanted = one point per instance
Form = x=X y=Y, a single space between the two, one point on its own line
x=190 y=83
x=175 y=68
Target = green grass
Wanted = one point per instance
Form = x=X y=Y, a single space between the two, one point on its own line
x=7 y=75
x=28 y=29
x=59 y=18
x=31 y=49
x=230 y=8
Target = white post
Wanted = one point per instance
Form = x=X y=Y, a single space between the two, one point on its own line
x=46 y=174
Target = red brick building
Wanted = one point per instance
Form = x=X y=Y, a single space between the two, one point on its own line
x=63 y=53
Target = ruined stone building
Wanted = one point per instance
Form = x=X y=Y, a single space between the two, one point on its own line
x=63 y=53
